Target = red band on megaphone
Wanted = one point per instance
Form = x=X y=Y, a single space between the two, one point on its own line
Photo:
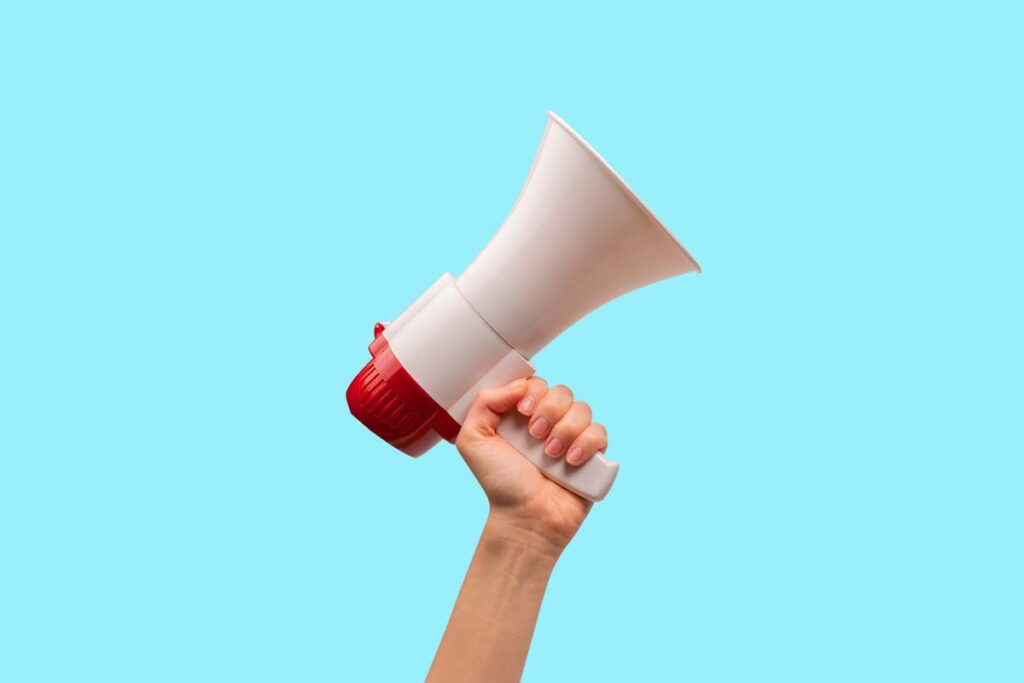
x=386 y=398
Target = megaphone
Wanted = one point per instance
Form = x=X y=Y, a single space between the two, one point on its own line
x=576 y=238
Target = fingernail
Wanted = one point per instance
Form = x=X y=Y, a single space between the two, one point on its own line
x=516 y=384
x=527 y=405
x=554 y=447
x=575 y=455
x=539 y=427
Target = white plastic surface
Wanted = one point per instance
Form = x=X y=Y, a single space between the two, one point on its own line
x=445 y=345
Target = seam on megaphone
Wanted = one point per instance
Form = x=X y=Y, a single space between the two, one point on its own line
x=487 y=322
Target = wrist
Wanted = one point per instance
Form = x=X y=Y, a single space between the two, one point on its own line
x=532 y=546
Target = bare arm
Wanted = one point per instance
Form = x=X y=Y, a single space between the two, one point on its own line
x=492 y=624
x=531 y=521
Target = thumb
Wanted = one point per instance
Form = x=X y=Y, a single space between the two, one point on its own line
x=485 y=413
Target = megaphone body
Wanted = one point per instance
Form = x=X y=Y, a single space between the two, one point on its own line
x=576 y=238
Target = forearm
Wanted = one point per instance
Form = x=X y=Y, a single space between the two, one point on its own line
x=488 y=635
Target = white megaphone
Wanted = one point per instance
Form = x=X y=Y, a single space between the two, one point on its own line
x=481 y=329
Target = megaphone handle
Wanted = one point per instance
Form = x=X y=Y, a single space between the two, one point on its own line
x=592 y=479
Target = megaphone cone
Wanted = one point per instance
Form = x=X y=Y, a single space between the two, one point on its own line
x=577 y=230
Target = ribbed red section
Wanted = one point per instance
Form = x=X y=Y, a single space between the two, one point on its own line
x=392 y=405
x=380 y=408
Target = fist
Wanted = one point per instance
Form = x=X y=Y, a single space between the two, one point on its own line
x=517 y=491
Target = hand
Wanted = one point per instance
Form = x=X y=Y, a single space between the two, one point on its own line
x=520 y=496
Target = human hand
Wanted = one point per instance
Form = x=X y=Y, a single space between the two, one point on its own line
x=520 y=496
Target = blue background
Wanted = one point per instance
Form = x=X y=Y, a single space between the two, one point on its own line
x=205 y=207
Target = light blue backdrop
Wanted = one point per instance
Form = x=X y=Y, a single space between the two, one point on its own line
x=204 y=208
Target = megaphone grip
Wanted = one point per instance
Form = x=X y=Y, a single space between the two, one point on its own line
x=592 y=479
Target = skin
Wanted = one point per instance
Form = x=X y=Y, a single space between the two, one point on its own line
x=531 y=521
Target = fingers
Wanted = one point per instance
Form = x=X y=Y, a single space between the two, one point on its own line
x=485 y=413
x=564 y=424
x=591 y=440
x=536 y=387
x=565 y=431
x=550 y=409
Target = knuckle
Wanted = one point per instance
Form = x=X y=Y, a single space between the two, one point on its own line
x=578 y=420
x=563 y=392
x=538 y=384
x=592 y=439
x=586 y=444
x=568 y=428
x=548 y=405
x=485 y=396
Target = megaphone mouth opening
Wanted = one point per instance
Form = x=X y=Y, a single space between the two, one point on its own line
x=556 y=119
